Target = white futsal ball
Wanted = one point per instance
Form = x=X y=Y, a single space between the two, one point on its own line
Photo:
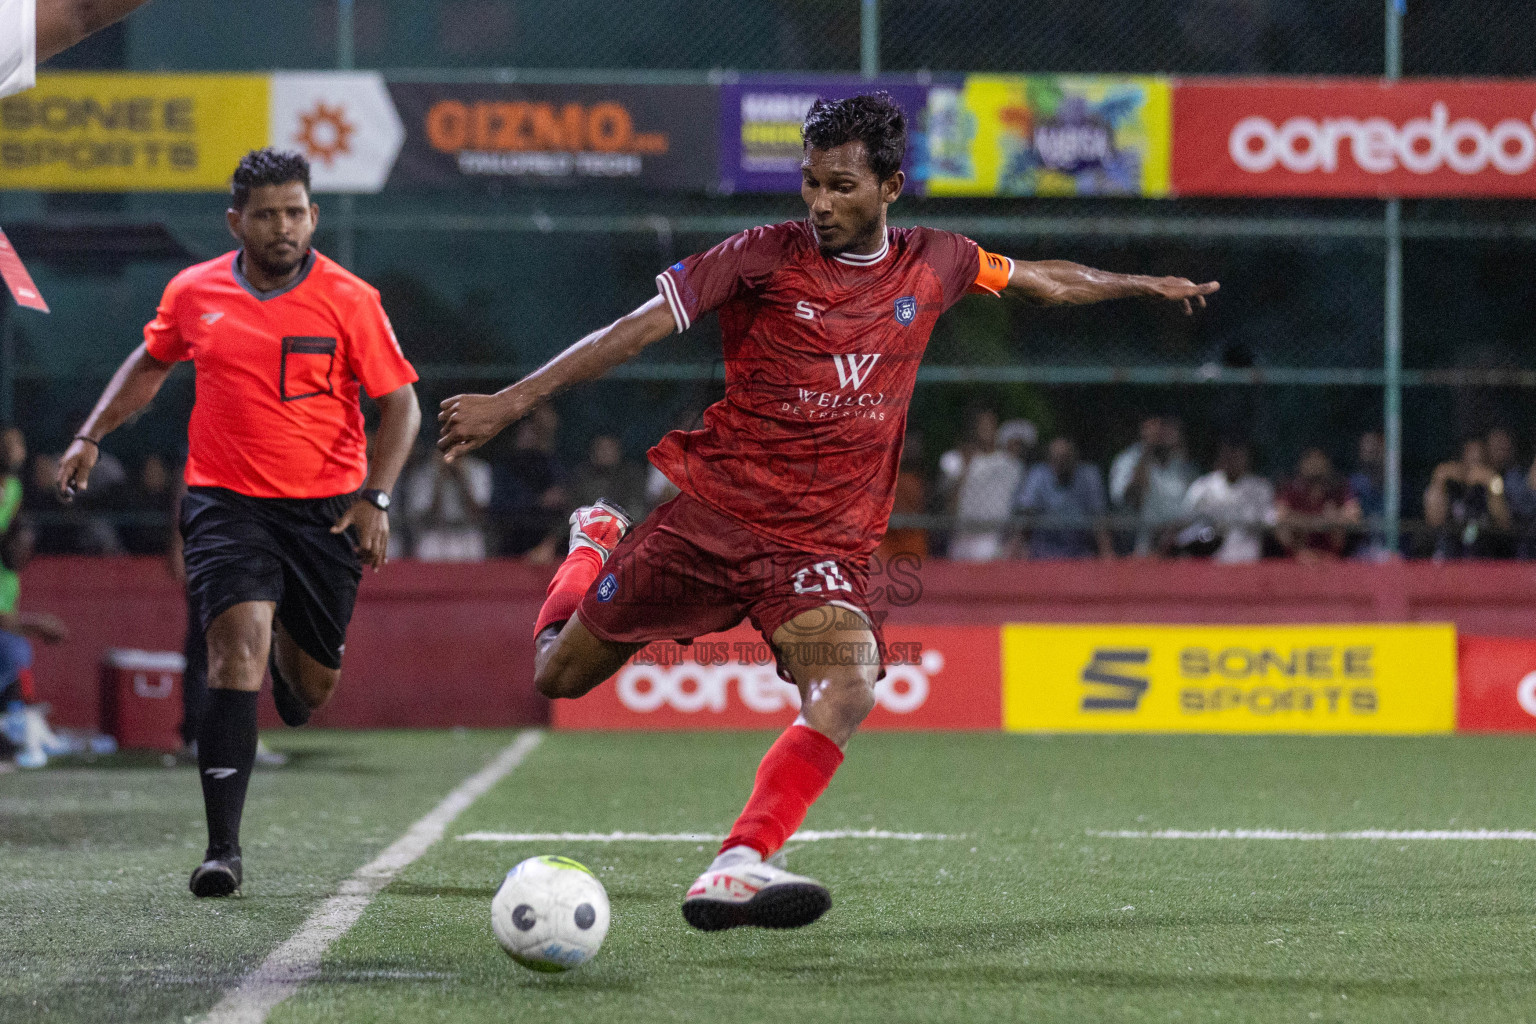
x=550 y=914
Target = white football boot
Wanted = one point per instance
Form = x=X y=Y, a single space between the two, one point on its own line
x=754 y=894
x=599 y=526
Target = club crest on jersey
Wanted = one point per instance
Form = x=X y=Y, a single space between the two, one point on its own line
x=906 y=309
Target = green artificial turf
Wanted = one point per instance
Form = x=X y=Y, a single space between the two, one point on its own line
x=1024 y=915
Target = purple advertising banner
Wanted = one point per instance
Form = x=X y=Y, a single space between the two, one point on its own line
x=760 y=118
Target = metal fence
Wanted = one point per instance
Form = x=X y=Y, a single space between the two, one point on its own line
x=1297 y=351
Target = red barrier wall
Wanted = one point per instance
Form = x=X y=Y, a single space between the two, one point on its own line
x=439 y=644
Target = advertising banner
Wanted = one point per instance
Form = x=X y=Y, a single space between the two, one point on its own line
x=343 y=121
x=131 y=133
x=1398 y=679
x=1049 y=135
x=473 y=135
x=1354 y=137
x=1496 y=691
x=937 y=677
x=760 y=119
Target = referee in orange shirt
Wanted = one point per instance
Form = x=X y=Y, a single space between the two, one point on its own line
x=283 y=507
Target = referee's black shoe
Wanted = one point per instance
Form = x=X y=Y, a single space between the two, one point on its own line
x=291 y=708
x=219 y=875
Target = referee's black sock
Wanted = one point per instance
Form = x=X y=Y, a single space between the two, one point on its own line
x=226 y=752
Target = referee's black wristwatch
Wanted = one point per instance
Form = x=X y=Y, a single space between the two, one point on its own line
x=375 y=497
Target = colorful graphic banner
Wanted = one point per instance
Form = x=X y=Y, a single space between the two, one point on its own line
x=1398 y=679
x=654 y=136
x=936 y=677
x=131 y=133
x=1049 y=135
x=760 y=119
x=1354 y=137
x=1496 y=689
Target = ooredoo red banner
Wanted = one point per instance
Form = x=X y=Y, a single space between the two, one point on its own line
x=1354 y=137
x=936 y=677
x=1496 y=684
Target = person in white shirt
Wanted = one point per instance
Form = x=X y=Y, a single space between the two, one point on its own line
x=445 y=509
x=1238 y=505
x=31 y=31
x=982 y=479
x=1149 y=480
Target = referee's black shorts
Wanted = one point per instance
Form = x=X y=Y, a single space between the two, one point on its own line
x=238 y=548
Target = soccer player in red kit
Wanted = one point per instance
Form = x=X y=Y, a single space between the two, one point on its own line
x=787 y=488
x=283 y=504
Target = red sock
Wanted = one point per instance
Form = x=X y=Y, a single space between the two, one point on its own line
x=28 y=685
x=794 y=772
x=565 y=591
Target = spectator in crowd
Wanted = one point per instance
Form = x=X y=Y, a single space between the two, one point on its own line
x=1148 y=481
x=1067 y=495
x=149 y=504
x=17 y=628
x=1466 y=507
x=982 y=479
x=1230 y=508
x=528 y=496
x=911 y=500
x=607 y=474
x=445 y=507
x=1018 y=437
x=1519 y=493
x=1122 y=467
x=1315 y=510
x=1368 y=483
x=13 y=455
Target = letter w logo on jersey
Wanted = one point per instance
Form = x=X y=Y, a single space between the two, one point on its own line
x=1104 y=671
x=853 y=369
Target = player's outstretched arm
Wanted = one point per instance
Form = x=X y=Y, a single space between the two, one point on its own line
x=1059 y=283
x=131 y=388
x=63 y=23
x=468 y=421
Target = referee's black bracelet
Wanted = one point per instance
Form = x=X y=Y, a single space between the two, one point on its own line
x=92 y=440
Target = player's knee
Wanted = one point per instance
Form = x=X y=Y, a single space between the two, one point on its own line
x=319 y=687
x=554 y=678
x=235 y=664
x=851 y=692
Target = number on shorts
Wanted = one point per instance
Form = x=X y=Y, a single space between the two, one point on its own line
x=831 y=579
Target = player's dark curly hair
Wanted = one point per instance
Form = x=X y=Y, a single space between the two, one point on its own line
x=873 y=119
x=266 y=166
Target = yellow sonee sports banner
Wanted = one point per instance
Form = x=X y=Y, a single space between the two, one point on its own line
x=1230 y=679
x=113 y=132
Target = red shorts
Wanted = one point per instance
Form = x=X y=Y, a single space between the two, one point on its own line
x=688 y=570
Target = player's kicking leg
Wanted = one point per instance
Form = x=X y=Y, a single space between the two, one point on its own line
x=740 y=888
x=568 y=660
x=238 y=641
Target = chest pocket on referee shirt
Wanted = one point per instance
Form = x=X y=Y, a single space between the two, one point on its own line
x=306 y=369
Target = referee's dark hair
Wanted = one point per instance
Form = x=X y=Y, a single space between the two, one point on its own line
x=873 y=119
x=266 y=166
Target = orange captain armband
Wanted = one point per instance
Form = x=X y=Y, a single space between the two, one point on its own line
x=994 y=273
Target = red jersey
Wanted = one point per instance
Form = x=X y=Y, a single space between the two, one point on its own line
x=821 y=354
x=278 y=375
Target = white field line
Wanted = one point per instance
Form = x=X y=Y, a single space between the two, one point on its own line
x=1376 y=834
x=808 y=836
x=298 y=960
